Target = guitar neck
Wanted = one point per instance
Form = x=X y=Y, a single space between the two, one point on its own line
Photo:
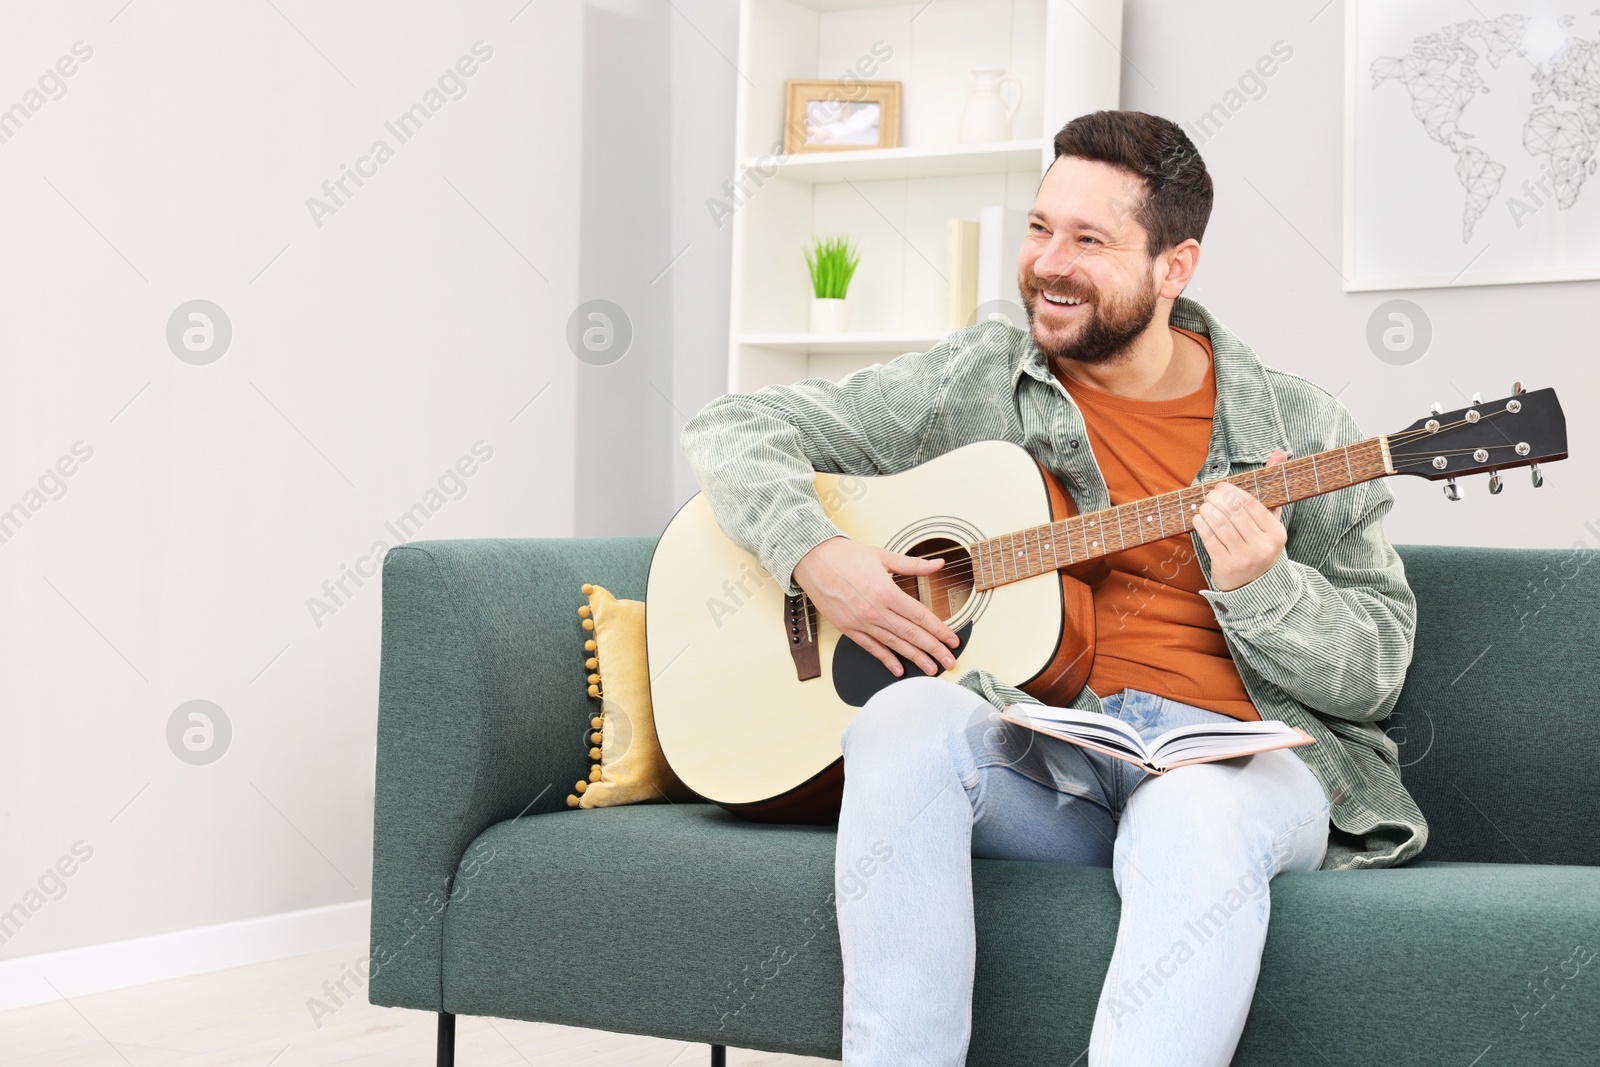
x=1038 y=550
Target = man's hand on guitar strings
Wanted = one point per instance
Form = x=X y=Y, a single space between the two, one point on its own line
x=850 y=584
x=1243 y=537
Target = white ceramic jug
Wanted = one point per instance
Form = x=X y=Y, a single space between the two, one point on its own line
x=987 y=117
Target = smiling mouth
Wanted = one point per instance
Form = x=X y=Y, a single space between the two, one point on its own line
x=1061 y=301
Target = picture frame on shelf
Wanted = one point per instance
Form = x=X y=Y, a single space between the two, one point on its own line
x=841 y=116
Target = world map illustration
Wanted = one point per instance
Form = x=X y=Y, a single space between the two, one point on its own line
x=1560 y=129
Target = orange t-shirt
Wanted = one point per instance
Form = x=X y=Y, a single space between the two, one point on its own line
x=1154 y=631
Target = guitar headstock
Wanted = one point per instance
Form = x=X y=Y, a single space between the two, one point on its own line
x=1521 y=430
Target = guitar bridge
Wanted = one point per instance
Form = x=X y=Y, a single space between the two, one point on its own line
x=800 y=618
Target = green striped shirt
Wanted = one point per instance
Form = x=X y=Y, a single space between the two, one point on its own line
x=1322 y=639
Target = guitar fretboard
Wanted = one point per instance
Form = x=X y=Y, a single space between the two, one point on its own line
x=1041 y=549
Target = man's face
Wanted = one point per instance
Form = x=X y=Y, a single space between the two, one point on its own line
x=1087 y=279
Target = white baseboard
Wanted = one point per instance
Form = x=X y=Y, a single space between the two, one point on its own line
x=118 y=964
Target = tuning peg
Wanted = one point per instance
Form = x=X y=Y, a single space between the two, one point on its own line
x=1477 y=398
x=1495 y=484
x=1452 y=491
x=1516 y=387
x=1538 y=475
x=1435 y=408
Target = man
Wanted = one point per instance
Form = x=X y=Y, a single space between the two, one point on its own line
x=1123 y=389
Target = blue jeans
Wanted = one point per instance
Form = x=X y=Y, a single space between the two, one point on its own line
x=934 y=777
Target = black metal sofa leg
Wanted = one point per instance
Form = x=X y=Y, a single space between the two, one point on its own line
x=447 y=1039
x=447 y=1044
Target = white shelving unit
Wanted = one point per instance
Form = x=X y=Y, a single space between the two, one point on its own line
x=893 y=203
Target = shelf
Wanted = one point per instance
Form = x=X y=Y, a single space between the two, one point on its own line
x=881 y=343
x=894 y=203
x=876 y=164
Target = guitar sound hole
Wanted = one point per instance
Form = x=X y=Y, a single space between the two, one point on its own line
x=946 y=591
x=857 y=674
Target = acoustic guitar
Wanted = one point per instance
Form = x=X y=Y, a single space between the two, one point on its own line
x=752 y=688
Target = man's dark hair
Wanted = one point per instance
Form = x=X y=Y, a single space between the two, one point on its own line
x=1177 y=202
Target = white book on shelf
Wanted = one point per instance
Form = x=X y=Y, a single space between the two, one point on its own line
x=961 y=272
x=1000 y=234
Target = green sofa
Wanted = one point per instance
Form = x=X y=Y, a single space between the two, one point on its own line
x=491 y=897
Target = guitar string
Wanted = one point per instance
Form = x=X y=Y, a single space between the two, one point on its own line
x=1405 y=437
x=966 y=567
x=1451 y=451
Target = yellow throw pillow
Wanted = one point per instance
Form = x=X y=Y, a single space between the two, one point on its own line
x=629 y=766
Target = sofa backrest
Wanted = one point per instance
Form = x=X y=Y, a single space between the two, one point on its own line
x=1499 y=723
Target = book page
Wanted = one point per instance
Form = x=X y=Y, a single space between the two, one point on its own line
x=1089 y=725
x=1180 y=746
x=1221 y=740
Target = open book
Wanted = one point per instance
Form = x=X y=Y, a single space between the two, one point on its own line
x=1178 y=747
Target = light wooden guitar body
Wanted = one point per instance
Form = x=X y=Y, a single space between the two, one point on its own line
x=735 y=720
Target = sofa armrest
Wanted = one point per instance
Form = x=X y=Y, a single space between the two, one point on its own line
x=482 y=711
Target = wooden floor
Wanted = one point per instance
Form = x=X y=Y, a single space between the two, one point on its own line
x=257 y=1016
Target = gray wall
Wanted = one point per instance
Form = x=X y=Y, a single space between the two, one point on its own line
x=703 y=87
x=658 y=103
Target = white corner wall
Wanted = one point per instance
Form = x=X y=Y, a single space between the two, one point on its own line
x=398 y=369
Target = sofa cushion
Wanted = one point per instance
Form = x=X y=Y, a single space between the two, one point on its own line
x=1503 y=692
x=682 y=921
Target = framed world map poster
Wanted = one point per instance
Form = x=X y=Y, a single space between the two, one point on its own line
x=1471 y=132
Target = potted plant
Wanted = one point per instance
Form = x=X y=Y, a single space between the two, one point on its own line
x=833 y=264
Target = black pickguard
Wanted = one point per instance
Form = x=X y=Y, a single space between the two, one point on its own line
x=857 y=674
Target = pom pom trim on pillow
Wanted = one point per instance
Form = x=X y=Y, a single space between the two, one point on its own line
x=627 y=765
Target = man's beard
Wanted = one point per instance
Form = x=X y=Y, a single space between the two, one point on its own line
x=1111 y=327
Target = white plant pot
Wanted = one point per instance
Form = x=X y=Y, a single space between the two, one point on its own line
x=829 y=315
